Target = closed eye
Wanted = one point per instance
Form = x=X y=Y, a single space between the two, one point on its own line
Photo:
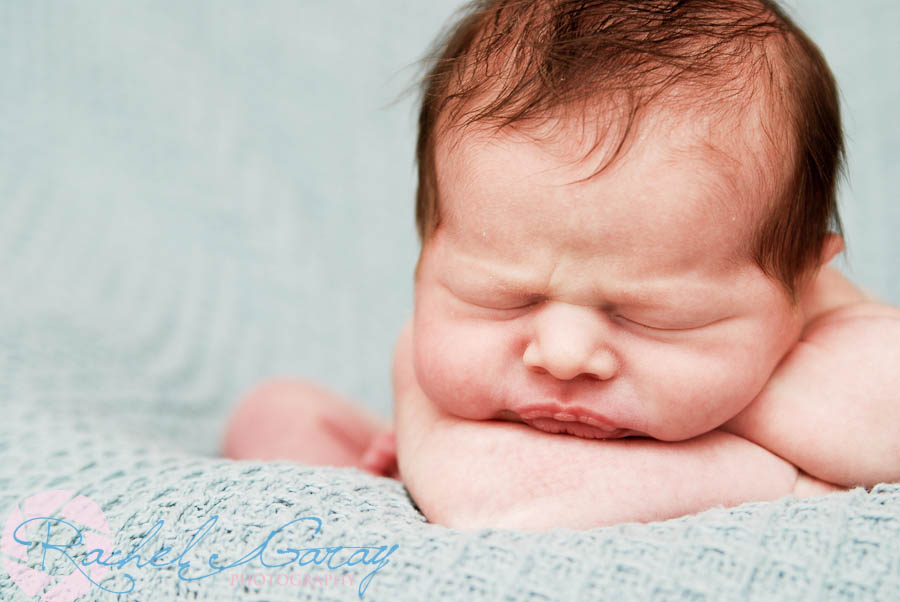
x=663 y=328
x=499 y=307
x=506 y=305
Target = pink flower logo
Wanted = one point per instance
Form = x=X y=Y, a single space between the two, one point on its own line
x=64 y=505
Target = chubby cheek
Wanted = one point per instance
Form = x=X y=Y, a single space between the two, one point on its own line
x=699 y=390
x=460 y=365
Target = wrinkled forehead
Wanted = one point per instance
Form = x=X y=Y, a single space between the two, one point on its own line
x=727 y=159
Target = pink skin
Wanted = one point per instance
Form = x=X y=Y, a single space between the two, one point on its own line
x=578 y=343
x=536 y=308
x=545 y=303
x=299 y=421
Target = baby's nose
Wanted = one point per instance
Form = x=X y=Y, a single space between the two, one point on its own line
x=570 y=341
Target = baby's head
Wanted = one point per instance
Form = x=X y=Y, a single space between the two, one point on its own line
x=621 y=206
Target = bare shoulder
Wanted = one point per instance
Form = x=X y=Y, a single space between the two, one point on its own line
x=833 y=297
x=858 y=323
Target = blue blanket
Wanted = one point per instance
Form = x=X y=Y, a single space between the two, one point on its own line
x=844 y=546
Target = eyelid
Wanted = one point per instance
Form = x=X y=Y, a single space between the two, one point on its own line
x=513 y=302
x=680 y=329
x=642 y=325
x=495 y=308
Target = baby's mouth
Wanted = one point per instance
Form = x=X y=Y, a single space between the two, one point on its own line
x=564 y=423
x=576 y=428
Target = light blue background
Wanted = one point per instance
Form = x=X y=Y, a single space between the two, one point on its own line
x=196 y=196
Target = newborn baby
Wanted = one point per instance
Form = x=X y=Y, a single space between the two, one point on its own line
x=623 y=308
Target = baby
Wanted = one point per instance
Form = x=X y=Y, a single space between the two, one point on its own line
x=623 y=308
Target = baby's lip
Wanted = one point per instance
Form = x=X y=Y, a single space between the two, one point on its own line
x=567 y=414
x=574 y=420
x=578 y=429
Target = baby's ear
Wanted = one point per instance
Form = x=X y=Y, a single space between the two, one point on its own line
x=833 y=245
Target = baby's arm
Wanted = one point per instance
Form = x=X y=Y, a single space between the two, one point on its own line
x=469 y=474
x=832 y=406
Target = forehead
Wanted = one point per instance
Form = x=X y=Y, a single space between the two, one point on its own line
x=677 y=196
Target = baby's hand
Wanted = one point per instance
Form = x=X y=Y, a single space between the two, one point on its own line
x=832 y=406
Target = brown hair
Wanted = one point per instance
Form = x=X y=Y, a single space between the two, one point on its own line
x=514 y=61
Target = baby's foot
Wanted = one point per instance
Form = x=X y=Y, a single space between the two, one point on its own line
x=299 y=421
